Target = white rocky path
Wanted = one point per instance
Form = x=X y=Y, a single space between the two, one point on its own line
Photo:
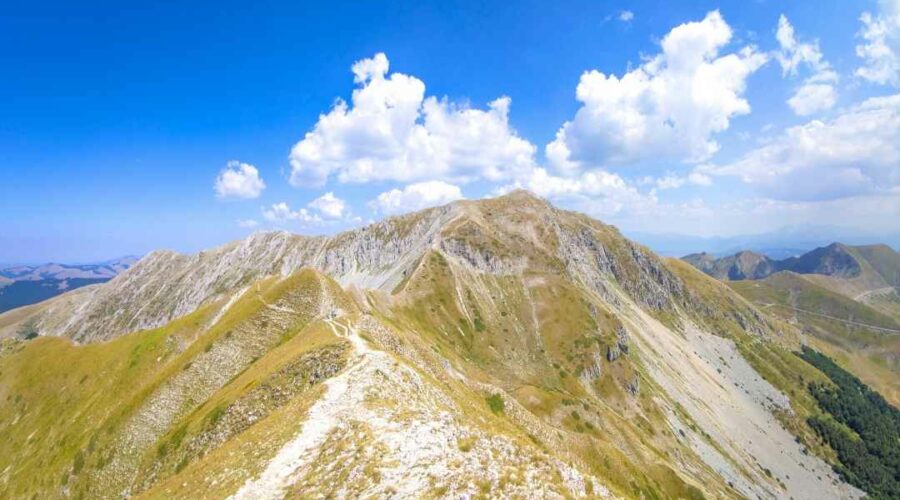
x=340 y=396
x=416 y=440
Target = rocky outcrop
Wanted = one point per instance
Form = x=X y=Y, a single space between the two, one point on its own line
x=634 y=386
x=606 y=261
x=482 y=259
x=593 y=370
x=620 y=346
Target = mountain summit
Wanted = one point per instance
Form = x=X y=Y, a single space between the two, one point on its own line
x=500 y=347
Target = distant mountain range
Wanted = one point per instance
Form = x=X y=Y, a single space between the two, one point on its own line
x=780 y=244
x=21 y=285
x=838 y=260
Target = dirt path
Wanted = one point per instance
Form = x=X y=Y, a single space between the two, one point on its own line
x=323 y=417
x=835 y=318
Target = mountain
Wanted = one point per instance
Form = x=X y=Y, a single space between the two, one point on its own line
x=866 y=273
x=780 y=244
x=100 y=270
x=740 y=266
x=499 y=347
x=837 y=260
x=22 y=285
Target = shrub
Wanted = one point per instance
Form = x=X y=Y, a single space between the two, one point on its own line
x=495 y=402
x=28 y=330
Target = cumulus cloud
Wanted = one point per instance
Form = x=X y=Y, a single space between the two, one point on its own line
x=247 y=223
x=626 y=16
x=598 y=192
x=817 y=92
x=239 y=180
x=668 y=108
x=811 y=98
x=329 y=206
x=856 y=152
x=881 y=50
x=391 y=131
x=675 y=181
x=325 y=209
x=416 y=197
x=281 y=213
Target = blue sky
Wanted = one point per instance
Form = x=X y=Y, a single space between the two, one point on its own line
x=128 y=129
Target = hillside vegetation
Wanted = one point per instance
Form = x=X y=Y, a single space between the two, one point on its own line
x=497 y=348
x=861 y=338
x=860 y=426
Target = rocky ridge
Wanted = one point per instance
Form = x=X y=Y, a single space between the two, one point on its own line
x=494 y=347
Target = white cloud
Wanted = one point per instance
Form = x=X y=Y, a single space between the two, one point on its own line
x=668 y=108
x=416 y=197
x=881 y=52
x=626 y=16
x=325 y=209
x=811 y=98
x=675 y=181
x=597 y=191
x=391 y=131
x=247 y=223
x=816 y=93
x=760 y=215
x=281 y=213
x=239 y=180
x=329 y=206
x=856 y=152
x=793 y=54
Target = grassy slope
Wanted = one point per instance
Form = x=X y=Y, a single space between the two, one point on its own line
x=872 y=355
x=884 y=260
x=47 y=379
x=99 y=387
x=539 y=365
x=878 y=266
x=528 y=337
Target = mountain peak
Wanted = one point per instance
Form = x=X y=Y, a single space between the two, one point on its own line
x=836 y=259
x=520 y=195
x=507 y=235
x=433 y=316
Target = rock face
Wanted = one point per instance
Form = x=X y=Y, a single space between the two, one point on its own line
x=165 y=285
x=594 y=369
x=620 y=346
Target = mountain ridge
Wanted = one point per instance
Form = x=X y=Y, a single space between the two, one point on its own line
x=536 y=349
x=22 y=285
x=837 y=260
x=52 y=270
